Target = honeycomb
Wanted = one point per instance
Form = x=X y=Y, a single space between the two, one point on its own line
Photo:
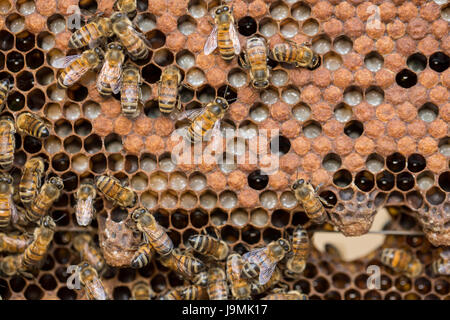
x=370 y=125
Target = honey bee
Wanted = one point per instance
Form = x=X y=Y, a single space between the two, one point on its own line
x=142 y=256
x=74 y=67
x=441 y=266
x=28 y=123
x=300 y=55
x=255 y=59
x=217 y=284
x=206 y=119
x=5 y=87
x=210 y=246
x=84 y=244
x=401 y=261
x=126 y=6
x=110 y=76
x=263 y=261
x=35 y=253
x=257 y=288
x=7 y=206
x=91 y=33
x=311 y=202
x=7 y=141
x=153 y=232
x=240 y=287
x=184 y=264
x=223 y=35
x=201 y=279
x=168 y=90
x=49 y=193
x=130 y=93
x=113 y=190
x=173 y=294
x=31 y=180
x=194 y=293
x=91 y=282
x=300 y=250
x=14 y=243
x=10 y=265
x=281 y=294
x=142 y=291
x=131 y=39
x=84 y=209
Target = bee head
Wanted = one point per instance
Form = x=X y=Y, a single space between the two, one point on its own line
x=6 y=178
x=222 y=14
x=100 y=53
x=138 y=213
x=118 y=16
x=315 y=62
x=115 y=46
x=298 y=183
x=222 y=102
x=5 y=183
x=86 y=269
x=48 y=222
x=260 y=84
x=57 y=181
x=5 y=83
x=284 y=244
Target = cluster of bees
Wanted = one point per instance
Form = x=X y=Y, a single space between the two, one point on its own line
x=216 y=273
x=213 y=271
x=115 y=76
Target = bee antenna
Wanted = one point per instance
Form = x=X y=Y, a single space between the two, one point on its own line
x=225 y=93
x=60 y=217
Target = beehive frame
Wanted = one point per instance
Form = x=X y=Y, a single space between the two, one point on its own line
x=346 y=125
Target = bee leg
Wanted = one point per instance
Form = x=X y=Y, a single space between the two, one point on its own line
x=325 y=202
x=25 y=273
x=244 y=61
x=188 y=86
x=179 y=106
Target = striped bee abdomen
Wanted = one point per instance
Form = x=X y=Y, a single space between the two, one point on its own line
x=7 y=143
x=5 y=209
x=224 y=42
x=142 y=256
x=168 y=92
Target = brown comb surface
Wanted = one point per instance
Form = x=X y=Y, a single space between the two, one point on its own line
x=347 y=125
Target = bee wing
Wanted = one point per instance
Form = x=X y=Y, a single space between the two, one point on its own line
x=236 y=265
x=14 y=212
x=266 y=272
x=137 y=31
x=253 y=256
x=64 y=61
x=97 y=290
x=234 y=37
x=191 y=114
x=84 y=211
x=211 y=42
x=445 y=254
x=117 y=84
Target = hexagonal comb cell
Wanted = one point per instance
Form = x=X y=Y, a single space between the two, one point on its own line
x=367 y=129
